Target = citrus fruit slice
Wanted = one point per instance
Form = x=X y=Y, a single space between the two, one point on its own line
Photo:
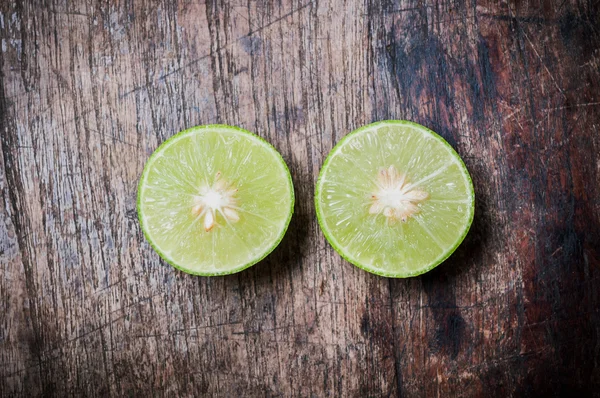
x=215 y=199
x=394 y=199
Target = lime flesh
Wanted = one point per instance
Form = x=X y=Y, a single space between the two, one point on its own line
x=394 y=199
x=215 y=199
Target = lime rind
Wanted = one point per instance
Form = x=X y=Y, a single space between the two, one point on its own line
x=157 y=153
x=334 y=243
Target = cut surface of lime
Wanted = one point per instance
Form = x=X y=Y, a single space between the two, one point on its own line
x=394 y=198
x=215 y=199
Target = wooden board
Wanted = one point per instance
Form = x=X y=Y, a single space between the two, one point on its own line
x=90 y=88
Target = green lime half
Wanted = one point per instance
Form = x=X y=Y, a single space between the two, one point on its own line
x=215 y=199
x=394 y=199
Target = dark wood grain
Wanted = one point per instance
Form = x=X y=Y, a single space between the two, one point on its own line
x=88 y=89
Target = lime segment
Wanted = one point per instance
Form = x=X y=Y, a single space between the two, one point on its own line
x=394 y=198
x=215 y=199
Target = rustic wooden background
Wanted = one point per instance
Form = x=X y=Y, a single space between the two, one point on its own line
x=89 y=89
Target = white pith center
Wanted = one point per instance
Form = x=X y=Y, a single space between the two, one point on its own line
x=213 y=199
x=218 y=198
x=395 y=197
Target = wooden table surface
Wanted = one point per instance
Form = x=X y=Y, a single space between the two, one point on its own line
x=90 y=88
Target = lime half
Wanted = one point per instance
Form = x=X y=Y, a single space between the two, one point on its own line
x=215 y=199
x=394 y=199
